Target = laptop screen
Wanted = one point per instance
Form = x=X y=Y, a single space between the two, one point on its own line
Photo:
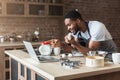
x=30 y=50
x=34 y=55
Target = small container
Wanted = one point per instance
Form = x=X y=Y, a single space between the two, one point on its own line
x=94 y=61
x=1 y=39
x=45 y=49
x=11 y=39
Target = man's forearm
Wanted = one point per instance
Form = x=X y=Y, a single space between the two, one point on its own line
x=81 y=49
x=66 y=47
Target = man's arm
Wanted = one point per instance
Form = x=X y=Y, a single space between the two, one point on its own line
x=57 y=43
x=93 y=45
x=67 y=47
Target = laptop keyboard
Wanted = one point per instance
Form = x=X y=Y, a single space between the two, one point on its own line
x=47 y=59
x=37 y=52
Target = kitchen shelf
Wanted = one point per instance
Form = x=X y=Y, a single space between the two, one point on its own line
x=32 y=8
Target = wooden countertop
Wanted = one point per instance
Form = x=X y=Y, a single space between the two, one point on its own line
x=8 y=44
x=54 y=71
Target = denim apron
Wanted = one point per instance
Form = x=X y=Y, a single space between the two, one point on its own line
x=83 y=41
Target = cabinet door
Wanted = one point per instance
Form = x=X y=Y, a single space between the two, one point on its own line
x=0 y=8
x=55 y=10
x=15 y=9
x=37 y=1
x=36 y=10
x=38 y=77
x=55 y=1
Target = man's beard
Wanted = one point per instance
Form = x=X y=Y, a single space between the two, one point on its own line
x=77 y=28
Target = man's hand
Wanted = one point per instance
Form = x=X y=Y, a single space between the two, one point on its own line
x=72 y=40
x=55 y=43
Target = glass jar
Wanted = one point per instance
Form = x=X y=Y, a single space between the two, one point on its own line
x=45 y=49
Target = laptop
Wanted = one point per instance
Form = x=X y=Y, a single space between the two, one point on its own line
x=34 y=55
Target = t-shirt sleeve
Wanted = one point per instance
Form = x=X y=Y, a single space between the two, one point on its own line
x=97 y=31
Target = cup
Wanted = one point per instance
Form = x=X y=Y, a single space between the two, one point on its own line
x=56 y=51
x=116 y=58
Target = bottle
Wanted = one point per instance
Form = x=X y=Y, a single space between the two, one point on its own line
x=45 y=49
x=36 y=35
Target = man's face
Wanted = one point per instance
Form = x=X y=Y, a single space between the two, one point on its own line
x=72 y=26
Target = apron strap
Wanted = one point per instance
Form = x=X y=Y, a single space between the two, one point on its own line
x=79 y=34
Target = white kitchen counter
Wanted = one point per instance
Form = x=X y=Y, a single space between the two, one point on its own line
x=54 y=71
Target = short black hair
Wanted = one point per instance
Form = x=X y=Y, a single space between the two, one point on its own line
x=73 y=15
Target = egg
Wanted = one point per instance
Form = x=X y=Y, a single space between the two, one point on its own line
x=70 y=55
x=63 y=55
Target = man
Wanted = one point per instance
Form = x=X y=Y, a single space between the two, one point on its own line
x=86 y=36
